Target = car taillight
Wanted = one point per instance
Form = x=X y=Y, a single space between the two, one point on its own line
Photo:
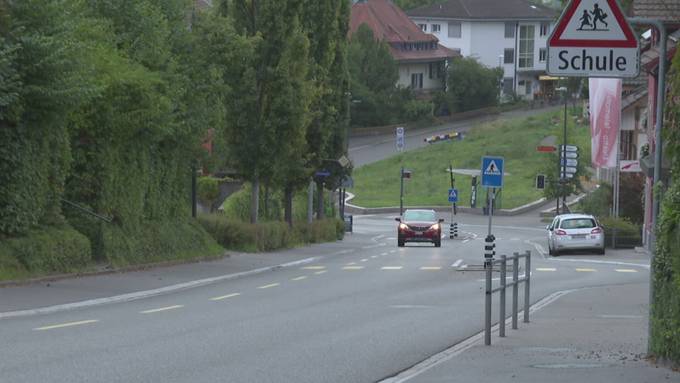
x=596 y=230
x=560 y=232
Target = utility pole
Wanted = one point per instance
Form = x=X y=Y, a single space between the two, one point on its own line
x=401 y=194
x=564 y=155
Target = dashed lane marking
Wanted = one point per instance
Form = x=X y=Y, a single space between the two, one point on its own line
x=223 y=297
x=352 y=267
x=457 y=263
x=269 y=286
x=321 y=272
x=430 y=268
x=392 y=267
x=383 y=254
x=393 y=251
x=299 y=278
x=364 y=260
x=466 y=240
x=585 y=270
x=313 y=267
x=351 y=263
x=375 y=256
x=546 y=269
x=626 y=271
x=63 y=325
x=161 y=309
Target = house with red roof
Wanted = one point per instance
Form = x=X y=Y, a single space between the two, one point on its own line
x=422 y=60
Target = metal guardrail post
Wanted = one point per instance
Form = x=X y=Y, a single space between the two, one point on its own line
x=515 y=267
x=501 y=321
x=487 y=311
x=527 y=285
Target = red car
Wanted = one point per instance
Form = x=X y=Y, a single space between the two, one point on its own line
x=419 y=226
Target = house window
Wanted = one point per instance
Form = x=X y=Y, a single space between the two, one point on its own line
x=526 y=46
x=509 y=30
x=542 y=53
x=508 y=56
x=436 y=28
x=416 y=81
x=423 y=27
x=545 y=28
x=527 y=91
x=507 y=85
x=454 y=30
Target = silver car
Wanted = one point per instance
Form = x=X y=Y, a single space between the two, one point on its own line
x=575 y=232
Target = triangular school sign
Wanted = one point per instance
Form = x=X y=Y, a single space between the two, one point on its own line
x=593 y=39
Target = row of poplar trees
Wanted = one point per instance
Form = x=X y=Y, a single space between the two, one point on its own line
x=105 y=103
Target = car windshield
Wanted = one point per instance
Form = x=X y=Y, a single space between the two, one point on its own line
x=419 y=216
x=578 y=223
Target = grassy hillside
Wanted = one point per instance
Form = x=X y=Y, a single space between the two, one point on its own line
x=377 y=184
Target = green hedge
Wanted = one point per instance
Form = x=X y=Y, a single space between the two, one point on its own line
x=628 y=234
x=665 y=338
x=268 y=236
x=46 y=251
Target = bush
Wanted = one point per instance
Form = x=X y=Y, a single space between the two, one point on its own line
x=52 y=250
x=597 y=203
x=621 y=232
x=268 y=236
x=208 y=189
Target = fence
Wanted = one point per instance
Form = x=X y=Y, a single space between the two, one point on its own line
x=503 y=262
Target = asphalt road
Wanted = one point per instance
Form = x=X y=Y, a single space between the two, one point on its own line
x=359 y=314
x=367 y=149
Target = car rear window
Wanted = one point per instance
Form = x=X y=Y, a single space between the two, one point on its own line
x=578 y=223
x=419 y=216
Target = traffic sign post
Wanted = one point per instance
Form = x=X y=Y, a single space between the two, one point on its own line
x=401 y=143
x=592 y=38
x=453 y=195
x=492 y=178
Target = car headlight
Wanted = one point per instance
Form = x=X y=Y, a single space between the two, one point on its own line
x=434 y=227
x=403 y=226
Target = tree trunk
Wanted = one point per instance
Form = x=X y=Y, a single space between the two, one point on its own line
x=266 y=202
x=255 y=200
x=319 y=200
x=310 y=202
x=288 y=205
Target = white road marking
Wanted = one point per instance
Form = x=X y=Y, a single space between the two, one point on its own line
x=626 y=271
x=601 y=262
x=299 y=278
x=161 y=309
x=457 y=263
x=225 y=297
x=351 y=263
x=321 y=272
x=364 y=260
x=352 y=267
x=584 y=270
x=466 y=240
x=69 y=324
x=546 y=269
x=375 y=256
x=463 y=266
x=269 y=286
x=383 y=254
x=313 y=267
x=392 y=267
x=431 y=268
x=393 y=251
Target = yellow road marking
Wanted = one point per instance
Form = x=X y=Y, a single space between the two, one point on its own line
x=321 y=272
x=225 y=297
x=392 y=267
x=161 y=309
x=430 y=268
x=546 y=269
x=586 y=270
x=299 y=278
x=69 y=324
x=352 y=267
x=313 y=267
x=626 y=271
x=269 y=286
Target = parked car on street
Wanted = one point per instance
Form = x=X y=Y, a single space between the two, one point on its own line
x=575 y=232
x=418 y=225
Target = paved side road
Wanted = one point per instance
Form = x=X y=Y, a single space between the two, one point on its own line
x=589 y=335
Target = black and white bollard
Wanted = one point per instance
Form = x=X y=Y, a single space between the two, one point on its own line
x=453 y=230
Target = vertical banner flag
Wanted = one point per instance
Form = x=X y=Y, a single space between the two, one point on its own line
x=605 y=120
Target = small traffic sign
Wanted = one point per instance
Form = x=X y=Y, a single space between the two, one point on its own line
x=572 y=155
x=401 y=143
x=492 y=172
x=322 y=173
x=453 y=195
x=569 y=175
x=569 y=162
x=592 y=38
x=540 y=181
x=569 y=148
x=570 y=169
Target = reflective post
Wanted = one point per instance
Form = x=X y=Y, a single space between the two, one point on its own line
x=501 y=320
x=487 y=309
x=515 y=274
x=527 y=286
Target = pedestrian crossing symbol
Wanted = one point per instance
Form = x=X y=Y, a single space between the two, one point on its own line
x=453 y=195
x=492 y=172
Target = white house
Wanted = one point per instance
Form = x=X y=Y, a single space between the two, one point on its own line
x=511 y=34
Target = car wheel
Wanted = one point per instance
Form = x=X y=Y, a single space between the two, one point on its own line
x=550 y=251
x=438 y=244
x=400 y=243
x=601 y=251
x=555 y=253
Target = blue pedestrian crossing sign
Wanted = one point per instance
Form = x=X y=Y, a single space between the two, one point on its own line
x=453 y=195
x=492 y=172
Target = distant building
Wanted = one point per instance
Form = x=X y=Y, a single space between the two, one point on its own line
x=511 y=34
x=422 y=60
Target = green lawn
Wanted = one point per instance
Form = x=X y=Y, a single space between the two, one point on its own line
x=377 y=184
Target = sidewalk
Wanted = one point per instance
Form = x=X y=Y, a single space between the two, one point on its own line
x=591 y=335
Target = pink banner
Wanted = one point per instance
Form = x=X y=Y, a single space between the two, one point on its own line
x=605 y=120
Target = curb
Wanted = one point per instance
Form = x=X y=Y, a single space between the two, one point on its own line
x=149 y=293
